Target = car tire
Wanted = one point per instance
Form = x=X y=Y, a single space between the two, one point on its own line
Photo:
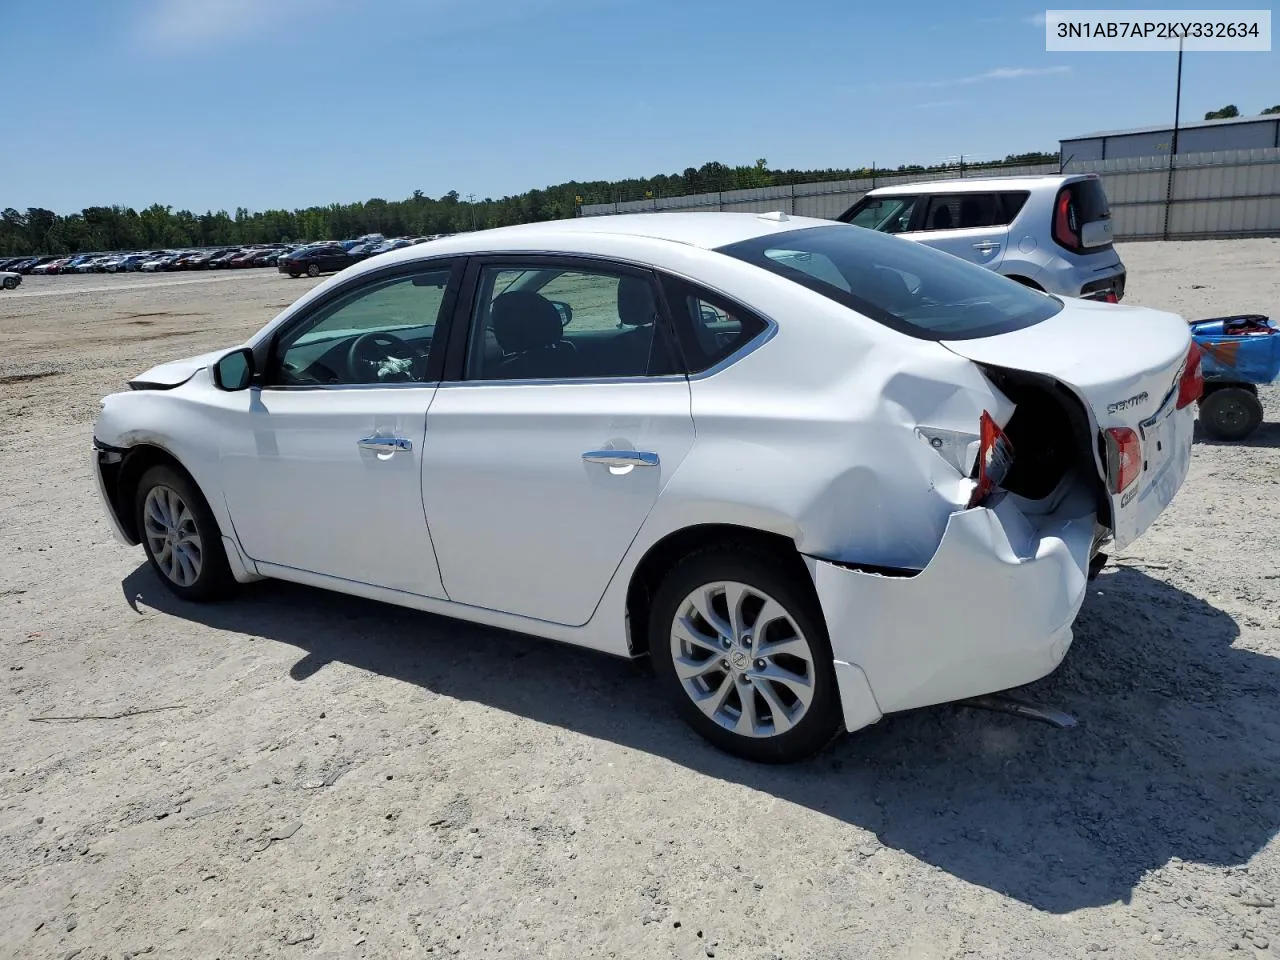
x=1230 y=413
x=313 y=270
x=180 y=536
x=293 y=274
x=10 y=283
x=722 y=680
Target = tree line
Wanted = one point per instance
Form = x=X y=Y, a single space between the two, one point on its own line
x=40 y=231
x=1231 y=110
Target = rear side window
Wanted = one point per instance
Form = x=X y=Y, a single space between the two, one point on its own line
x=710 y=328
x=907 y=286
x=1011 y=204
x=963 y=211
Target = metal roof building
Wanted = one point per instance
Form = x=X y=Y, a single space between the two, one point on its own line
x=1201 y=136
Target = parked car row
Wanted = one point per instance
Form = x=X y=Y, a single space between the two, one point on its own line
x=323 y=256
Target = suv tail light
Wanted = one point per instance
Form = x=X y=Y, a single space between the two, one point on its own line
x=1066 y=227
x=1191 y=383
x=1124 y=458
x=995 y=456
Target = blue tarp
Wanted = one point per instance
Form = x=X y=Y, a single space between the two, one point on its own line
x=1240 y=349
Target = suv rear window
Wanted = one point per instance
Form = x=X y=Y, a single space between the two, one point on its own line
x=904 y=285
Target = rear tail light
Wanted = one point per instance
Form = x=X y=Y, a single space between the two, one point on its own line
x=1124 y=458
x=1191 y=383
x=1066 y=230
x=995 y=456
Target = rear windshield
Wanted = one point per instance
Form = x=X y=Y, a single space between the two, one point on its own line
x=897 y=282
x=1090 y=200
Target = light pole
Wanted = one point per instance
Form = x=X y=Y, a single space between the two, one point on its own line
x=1173 y=141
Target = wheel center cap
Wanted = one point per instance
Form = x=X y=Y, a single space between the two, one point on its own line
x=739 y=660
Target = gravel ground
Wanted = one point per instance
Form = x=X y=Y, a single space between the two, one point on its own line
x=323 y=776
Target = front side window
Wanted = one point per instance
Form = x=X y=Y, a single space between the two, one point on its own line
x=381 y=333
x=902 y=284
x=551 y=323
x=886 y=214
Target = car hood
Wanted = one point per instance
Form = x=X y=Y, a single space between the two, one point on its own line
x=175 y=372
x=1122 y=360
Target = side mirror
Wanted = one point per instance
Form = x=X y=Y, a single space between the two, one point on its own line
x=234 y=371
x=565 y=311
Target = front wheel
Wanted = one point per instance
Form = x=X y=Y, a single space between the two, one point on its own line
x=741 y=647
x=294 y=275
x=11 y=283
x=180 y=536
x=1230 y=413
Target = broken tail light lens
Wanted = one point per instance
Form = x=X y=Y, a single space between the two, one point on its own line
x=1124 y=458
x=1191 y=383
x=995 y=457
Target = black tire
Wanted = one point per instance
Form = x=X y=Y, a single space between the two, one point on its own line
x=761 y=572
x=313 y=270
x=11 y=283
x=293 y=275
x=214 y=580
x=1230 y=413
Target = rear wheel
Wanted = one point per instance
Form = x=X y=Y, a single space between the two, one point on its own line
x=1230 y=413
x=313 y=270
x=740 y=646
x=180 y=536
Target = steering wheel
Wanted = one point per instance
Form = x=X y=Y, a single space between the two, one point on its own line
x=362 y=365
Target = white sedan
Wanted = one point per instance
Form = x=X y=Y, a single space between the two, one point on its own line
x=10 y=281
x=816 y=473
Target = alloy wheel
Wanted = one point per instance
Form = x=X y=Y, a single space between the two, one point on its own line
x=172 y=535
x=742 y=659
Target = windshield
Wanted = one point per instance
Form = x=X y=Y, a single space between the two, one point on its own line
x=902 y=284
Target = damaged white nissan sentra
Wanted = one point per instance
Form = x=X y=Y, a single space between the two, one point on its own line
x=816 y=473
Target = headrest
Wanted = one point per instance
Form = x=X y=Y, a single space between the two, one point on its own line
x=635 y=302
x=523 y=320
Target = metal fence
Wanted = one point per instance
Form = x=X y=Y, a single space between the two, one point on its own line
x=1232 y=193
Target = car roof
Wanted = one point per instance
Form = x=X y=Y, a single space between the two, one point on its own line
x=582 y=234
x=970 y=184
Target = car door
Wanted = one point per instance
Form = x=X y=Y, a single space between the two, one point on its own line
x=323 y=468
x=970 y=226
x=564 y=416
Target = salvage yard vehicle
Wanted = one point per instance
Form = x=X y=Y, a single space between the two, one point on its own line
x=10 y=281
x=317 y=259
x=816 y=473
x=1052 y=233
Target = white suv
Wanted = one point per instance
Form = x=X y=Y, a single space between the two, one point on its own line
x=1050 y=233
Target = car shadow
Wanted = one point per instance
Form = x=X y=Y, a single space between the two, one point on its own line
x=1175 y=755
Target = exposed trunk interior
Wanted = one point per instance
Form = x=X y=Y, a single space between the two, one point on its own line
x=1051 y=436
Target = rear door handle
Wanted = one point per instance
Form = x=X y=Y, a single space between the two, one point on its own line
x=385 y=444
x=621 y=458
x=987 y=246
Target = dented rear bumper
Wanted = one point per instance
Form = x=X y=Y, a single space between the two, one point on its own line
x=992 y=610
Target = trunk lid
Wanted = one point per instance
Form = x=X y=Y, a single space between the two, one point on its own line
x=1124 y=363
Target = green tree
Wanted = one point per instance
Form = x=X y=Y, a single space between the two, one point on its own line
x=1230 y=110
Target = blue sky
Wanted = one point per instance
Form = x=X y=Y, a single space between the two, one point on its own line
x=282 y=103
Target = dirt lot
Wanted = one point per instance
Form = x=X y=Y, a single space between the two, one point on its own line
x=330 y=777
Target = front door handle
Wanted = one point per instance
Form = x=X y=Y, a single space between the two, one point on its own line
x=385 y=444
x=621 y=458
x=987 y=246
